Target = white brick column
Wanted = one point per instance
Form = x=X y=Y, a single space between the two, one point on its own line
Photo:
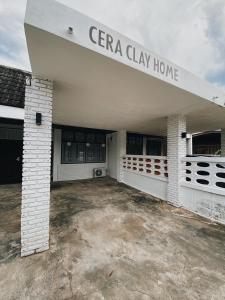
x=223 y=142
x=36 y=168
x=121 y=151
x=176 y=149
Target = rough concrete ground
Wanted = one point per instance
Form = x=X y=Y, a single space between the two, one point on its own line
x=109 y=241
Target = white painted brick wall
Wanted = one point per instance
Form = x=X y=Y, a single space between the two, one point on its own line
x=36 y=168
x=223 y=142
x=176 y=149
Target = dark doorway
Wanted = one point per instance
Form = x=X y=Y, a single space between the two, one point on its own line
x=10 y=161
x=11 y=150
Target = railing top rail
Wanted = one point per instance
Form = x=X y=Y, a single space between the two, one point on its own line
x=146 y=156
x=204 y=159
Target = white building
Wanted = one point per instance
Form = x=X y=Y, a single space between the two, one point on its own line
x=98 y=88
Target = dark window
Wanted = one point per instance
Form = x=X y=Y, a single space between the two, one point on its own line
x=92 y=153
x=67 y=135
x=134 y=144
x=83 y=146
x=79 y=136
x=90 y=137
x=154 y=147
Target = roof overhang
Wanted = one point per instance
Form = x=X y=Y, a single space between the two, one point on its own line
x=104 y=80
x=9 y=112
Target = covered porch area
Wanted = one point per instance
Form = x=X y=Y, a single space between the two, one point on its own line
x=111 y=241
x=79 y=80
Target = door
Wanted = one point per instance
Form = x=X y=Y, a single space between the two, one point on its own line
x=10 y=161
x=11 y=149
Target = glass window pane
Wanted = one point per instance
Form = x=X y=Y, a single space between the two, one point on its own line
x=91 y=153
x=67 y=151
x=100 y=138
x=79 y=136
x=90 y=138
x=79 y=153
x=134 y=144
x=154 y=147
x=67 y=135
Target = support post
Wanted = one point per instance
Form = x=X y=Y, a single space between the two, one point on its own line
x=144 y=145
x=190 y=146
x=121 y=151
x=223 y=142
x=57 y=150
x=36 y=167
x=176 y=149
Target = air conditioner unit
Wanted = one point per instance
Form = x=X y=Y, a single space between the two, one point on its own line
x=99 y=172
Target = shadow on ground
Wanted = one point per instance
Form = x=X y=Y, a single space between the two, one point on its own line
x=109 y=241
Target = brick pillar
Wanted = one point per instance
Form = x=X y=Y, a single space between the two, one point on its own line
x=121 y=151
x=176 y=149
x=223 y=142
x=36 y=168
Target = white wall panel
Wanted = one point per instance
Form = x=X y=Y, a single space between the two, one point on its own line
x=154 y=187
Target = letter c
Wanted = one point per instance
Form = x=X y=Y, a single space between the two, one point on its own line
x=92 y=28
x=128 y=48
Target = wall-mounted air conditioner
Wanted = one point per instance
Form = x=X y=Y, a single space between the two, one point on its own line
x=99 y=172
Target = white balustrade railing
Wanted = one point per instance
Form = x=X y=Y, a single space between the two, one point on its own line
x=153 y=166
x=204 y=171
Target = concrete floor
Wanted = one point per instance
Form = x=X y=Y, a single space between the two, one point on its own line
x=109 y=241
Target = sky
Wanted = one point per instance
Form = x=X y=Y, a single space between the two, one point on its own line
x=188 y=33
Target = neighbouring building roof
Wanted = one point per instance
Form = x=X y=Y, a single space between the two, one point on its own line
x=12 y=86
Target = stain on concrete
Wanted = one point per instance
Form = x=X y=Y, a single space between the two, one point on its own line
x=9 y=249
x=10 y=205
x=109 y=241
x=67 y=206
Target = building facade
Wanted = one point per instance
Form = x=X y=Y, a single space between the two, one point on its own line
x=76 y=151
x=99 y=102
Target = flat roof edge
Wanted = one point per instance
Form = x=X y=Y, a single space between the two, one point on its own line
x=56 y=18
